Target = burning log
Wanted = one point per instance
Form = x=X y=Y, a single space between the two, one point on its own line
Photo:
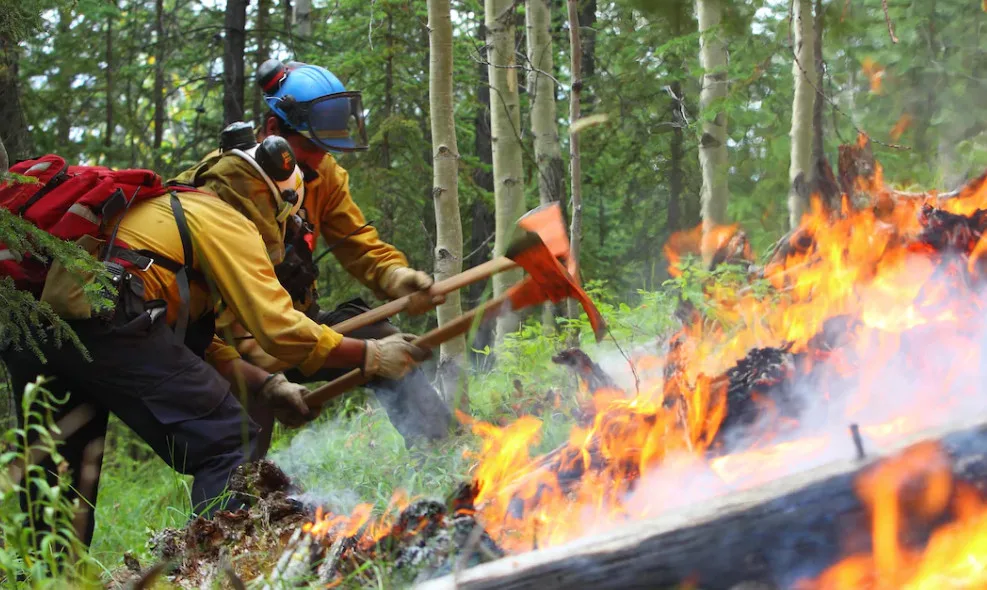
x=778 y=534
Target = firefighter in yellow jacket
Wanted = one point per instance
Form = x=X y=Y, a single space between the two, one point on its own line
x=312 y=110
x=190 y=256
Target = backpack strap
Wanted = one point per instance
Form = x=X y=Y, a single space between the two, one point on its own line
x=144 y=259
x=182 y=275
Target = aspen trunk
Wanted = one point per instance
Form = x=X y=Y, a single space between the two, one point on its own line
x=544 y=122
x=575 y=170
x=445 y=188
x=804 y=74
x=505 y=123
x=713 y=144
x=233 y=60
x=303 y=18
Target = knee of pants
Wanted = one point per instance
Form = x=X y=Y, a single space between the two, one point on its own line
x=226 y=435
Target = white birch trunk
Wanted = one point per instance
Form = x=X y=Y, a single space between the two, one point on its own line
x=804 y=73
x=445 y=185
x=505 y=132
x=712 y=146
x=544 y=123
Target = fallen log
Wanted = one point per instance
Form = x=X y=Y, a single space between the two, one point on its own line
x=777 y=534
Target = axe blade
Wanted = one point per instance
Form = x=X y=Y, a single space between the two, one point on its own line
x=549 y=280
x=547 y=222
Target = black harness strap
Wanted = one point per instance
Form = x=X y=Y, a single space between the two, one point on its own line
x=144 y=259
x=182 y=276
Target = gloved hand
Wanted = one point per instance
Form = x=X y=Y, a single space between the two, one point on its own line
x=399 y=281
x=392 y=357
x=287 y=401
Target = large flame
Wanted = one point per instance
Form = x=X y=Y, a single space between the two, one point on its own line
x=872 y=269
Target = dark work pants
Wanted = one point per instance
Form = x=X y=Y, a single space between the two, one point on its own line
x=413 y=406
x=165 y=393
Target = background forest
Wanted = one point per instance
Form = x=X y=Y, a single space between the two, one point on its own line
x=150 y=83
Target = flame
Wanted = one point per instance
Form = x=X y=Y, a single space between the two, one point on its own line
x=874 y=72
x=956 y=554
x=895 y=278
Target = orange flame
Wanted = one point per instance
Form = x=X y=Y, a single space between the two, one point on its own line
x=867 y=265
x=956 y=555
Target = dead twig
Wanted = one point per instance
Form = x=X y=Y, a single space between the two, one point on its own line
x=887 y=19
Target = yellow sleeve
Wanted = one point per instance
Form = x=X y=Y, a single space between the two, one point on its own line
x=219 y=351
x=231 y=252
x=363 y=254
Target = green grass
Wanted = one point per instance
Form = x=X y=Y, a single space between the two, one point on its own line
x=138 y=494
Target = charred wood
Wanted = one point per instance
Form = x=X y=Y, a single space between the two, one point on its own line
x=775 y=535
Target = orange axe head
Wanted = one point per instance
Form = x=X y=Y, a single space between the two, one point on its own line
x=547 y=222
x=548 y=280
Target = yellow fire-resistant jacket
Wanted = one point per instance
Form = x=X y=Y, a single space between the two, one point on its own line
x=229 y=250
x=328 y=206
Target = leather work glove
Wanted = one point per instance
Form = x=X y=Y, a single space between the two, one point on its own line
x=399 y=281
x=287 y=401
x=392 y=357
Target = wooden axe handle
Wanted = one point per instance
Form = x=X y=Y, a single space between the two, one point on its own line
x=444 y=287
x=432 y=339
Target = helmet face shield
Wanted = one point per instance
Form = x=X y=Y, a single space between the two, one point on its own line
x=335 y=122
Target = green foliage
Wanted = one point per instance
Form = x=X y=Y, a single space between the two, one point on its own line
x=40 y=547
x=21 y=313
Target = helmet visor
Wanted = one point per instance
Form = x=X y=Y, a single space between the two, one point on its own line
x=335 y=122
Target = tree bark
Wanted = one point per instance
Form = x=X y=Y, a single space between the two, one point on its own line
x=818 y=105
x=159 y=96
x=575 y=170
x=800 y=171
x=263 y=16
x=482 y=224
x=505 y=124
x=713 y=144
x=13 y=125
x=303 y=18
x=445 y=190
x=587 y=37
x=234 y=80
x=544 y=122
x=790 y=529
x=110 y=99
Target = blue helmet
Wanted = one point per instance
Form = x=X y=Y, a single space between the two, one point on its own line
x=313 y=102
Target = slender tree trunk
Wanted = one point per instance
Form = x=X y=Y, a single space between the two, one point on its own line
x=110 y=98
x=804 y=74
x=505 y=123
x=288 y=14
x=587 y=37
x=482 y=224
x=575 y=170
x=234 y=80
x=263 y=16
x=675 y=174
x=159 y=97
x=544 y=122
x=713 y=144
x=303 y=18
x=445 y=189
x=63 y=126
x=818 y=105
x=385 y=144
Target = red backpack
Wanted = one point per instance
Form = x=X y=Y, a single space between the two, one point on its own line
x=68 y=202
